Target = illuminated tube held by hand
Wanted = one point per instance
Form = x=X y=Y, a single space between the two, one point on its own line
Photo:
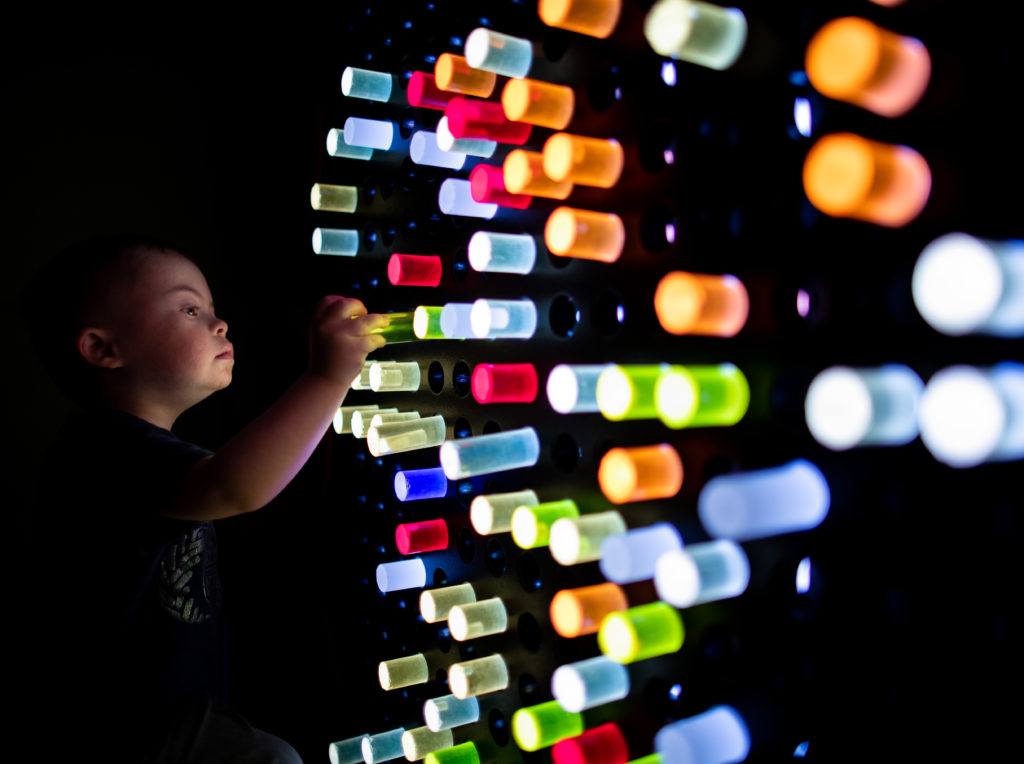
x=631 y=556
x=396 y=437
x=401 y=574
x=582 y=160
x=504 y=319
x=414 y=270
x=494 y=452
x=424 y=149
x=498 y=52
x=478 y=676
x=395 y=377
x=572 y=388
x=399 y=328
x=448 y=711
x=423 y=92
x=596 y=18
x=531 y=524
x=421 y=536
x=544 y=724
x=578 y=539
x=701 y=396
x=538 y=103
x=585 y=234
x=492 y=513
x=366 y=83
x=454 y=74
x=417 y=485
x=436 y=604
x=641 y=632
x=455 y=198
x=384 y=746
x=504 y=383
x=697 y=32
x=699 y=303
x=371 y=133
x=762 y=503
x=327 y=197
x=426 y=322
x=714 y=570
x=717 y=736
x=337 y=147
x=403 y=672
x=335 y=241
x=640 y=473
x=477 y=619
x=478 y=147
x=502 y=252
x=579 y=611
x=589 y=683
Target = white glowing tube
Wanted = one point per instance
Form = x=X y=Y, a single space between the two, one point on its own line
x=495 y=452
x=455 y=198
x=395 y=437
x=362 y=420
x=335 y=241
x=395 y=377
x=343 y=417
x=383 y=746
x=698 y=32
x=502 y=252
x=337 y=147
x=572 y=388
x=848 y=407
x=589 y=683
x=362 y=382
x=630 y=556
x=762 y=503
x=401 y=574
x=455 y=320
x=477 y=619
x=448 y=711
x=971 y=415
x=423 y=149
x=503 y=319
x=492 y=513
x=715 y=570
x=371 y=133
x=963 y=284
x=578 y=539
x=717 y=736
x=477 y=147
x=365 y=83
x=499 y=53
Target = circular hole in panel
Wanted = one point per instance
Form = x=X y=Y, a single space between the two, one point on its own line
x=461 y=378
x=529 y=631
x=496 y=560
x=564 y=315
x=566 y=453
x=498 y=726
x=435 y=377
x=529 y=572
x=466 y=545
x=609 y=313
x=462 y=428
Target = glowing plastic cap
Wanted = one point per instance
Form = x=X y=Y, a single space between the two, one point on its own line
x=504 y=383
x=414 y=270
x=453 y=73
x=499 y=53
x=365 y=83
x=394 y=437
x=331 y=198
x=701 y=573
x=963 y=284
x=543 y=725
x=631 y=556
x=531 y=525
x=848 y=176
x=418 y=742
x=424 y=149
x=506 y=319
x=603 y=743
x=538 y=103
x=493 y=513
x=523 y=173
x=426 y=322
x=371 y=133
x=421 y=536
x=401 y=574
x=395 y=377
x=578 y=539
x=762 y=503
x=641 y=632
x=970 y=415
x=454 y=197
x=848 y=407
x=494 y=452
x=343 y=416
x=698 y=303
x=478 y=676
x=347 y=751
x=502 y=252
x=478 y=619
x=701 y=396
x=383 y=746
x=586 y=161
x=596 y=18
x=463 y=753
x=717 y=736
x=588 y=683
x=403 y=672
x=697 y=32
x=448 y=711
x=640 y=473
x=853 y=60
x=435 y=604
x=575 y=612
x=572 y=388
x=589 y=235
x=335 y=241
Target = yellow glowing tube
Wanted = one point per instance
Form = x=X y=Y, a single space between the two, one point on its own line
x=585 y=161
x=435 y=604
x=328 y=197
x=596 y=18
x=453 y=73
x=403 y=672
x=586 y=234
x=523 y=173
x=478 y=676
x=538 y=103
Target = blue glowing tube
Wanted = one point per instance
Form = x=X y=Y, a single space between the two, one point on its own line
x=588 y=683
x=337 y=147
x=502 y=252
x=753 y=505
x=454 y=198
x=496 y=452
x=413 y=485
x=717 y=736
x=572 y=388
x=347 y=751
x=701 y=573
x=401 y=574
x=365 y=83
x=335 y=241
x=504 y=319
x=455 y=320
x=423 y=149
x=499 y=53
x=448 y=711
x=384 y=746
x=631 y=556
x=371 y=133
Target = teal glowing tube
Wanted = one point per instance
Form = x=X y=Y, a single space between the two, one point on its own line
x=384 y=746
x=717 y=736
x=505 y=319
x=401 y=574
x=365 y=83
x=589 y=683
x=477 y=147
x=348 y=751
x=496 y=452
x=448 y=711
x=499 y=53
x=502 y=252
x=701 y=573
x=572 y=388
x=631 y=556
x=455 y=198
x=370 y=133
x=337 y=147
x=335 y=241
x=455 y=320
x=423 y=149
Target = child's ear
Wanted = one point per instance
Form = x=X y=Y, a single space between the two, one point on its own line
x=96 y=346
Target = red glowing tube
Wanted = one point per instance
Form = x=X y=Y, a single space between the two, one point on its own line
x=424 y=536
x=414 y=270
x=487 y=184
x=603 y=744
x=504 y=383
x=474 y=118
x=422 y=91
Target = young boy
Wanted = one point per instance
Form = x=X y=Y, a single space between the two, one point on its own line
x=129 y=633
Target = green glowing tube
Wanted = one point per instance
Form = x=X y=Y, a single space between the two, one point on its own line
x=426 y=322
x=641 y=632
x=328 y=197
x=702 y=396
x=399 y=330
x=543 y=725
x=531 y=525
x=365 y=83
x=627 y=391
x=463 y=753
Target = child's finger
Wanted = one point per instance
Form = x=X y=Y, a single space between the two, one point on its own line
x=369 y=322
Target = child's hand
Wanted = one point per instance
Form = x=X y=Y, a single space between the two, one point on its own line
x=340 y=339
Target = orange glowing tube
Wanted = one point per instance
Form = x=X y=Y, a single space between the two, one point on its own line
x=538 y=103
x=523 y=173
x=853 y=60
x=853 y=177
x=454 y=74
x=596 y=18
x=640 y=473
x=698 y=303
x=575 y=612
x=586 y=161
x=589 y=235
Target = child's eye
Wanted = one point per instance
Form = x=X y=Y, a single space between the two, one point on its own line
x=192 y=307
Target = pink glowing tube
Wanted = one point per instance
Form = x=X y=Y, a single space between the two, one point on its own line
x=414 y=270
x=422 y=91
x=504 y=383
x=487 y=184
x=424 y=536
x=474 y=118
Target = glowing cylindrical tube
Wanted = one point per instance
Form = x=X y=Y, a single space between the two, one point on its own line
x=596 y=18
x=328 y=197
x=337 y=147
x=847 y=407
x=494 y=452
x=418 y=742
x=423 y=92
x=426 y=322
x=487 y=184
x=640 y=473
x=502 y=252
x=335 y=241
x=762 y=503
x=699 y=303
x=463 y=753
x=853 y=60
x=538 y=103
x=365 y=83
x=971 y=415
x=362 y=382
x=575 y=612
x=435 y=604
x=371 y=133
x=492 y=513
x=717 y=736
x=588 y=683
x=523 y=172
x=454 y=74
x=447 y=712
x=582 y=160
x=478 y=619
x=586 y=234
x=403 y=672
x=472 y=118
x=376 y=420
x=504 y=383
x=383 y=746
x=362 y=420
x=478 y=676
x=395 y=377
x=499 y=53
x=401 y=574
x=343 y=416
x=578 y=539
x=456 y=320
x=477 y=147
x=505 y=319
x=572 y=388
x=543 y=725
x=416 y=485
x=395 y=437
x=399 y=328
x=700 y=573
x=603 y=744
x=414 y=270
x=641 y=632
x=347 y=751
x=698 y=32
x=424 y=149
x=421 y=536
x=701 y=396
x=848 y=176
x=631 y=556
x=531 y=524
x=454 y=198
x=963 y=284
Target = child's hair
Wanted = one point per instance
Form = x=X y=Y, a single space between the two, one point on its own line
x=69 y=291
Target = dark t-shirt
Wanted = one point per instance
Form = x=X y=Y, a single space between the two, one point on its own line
x=129 y=600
